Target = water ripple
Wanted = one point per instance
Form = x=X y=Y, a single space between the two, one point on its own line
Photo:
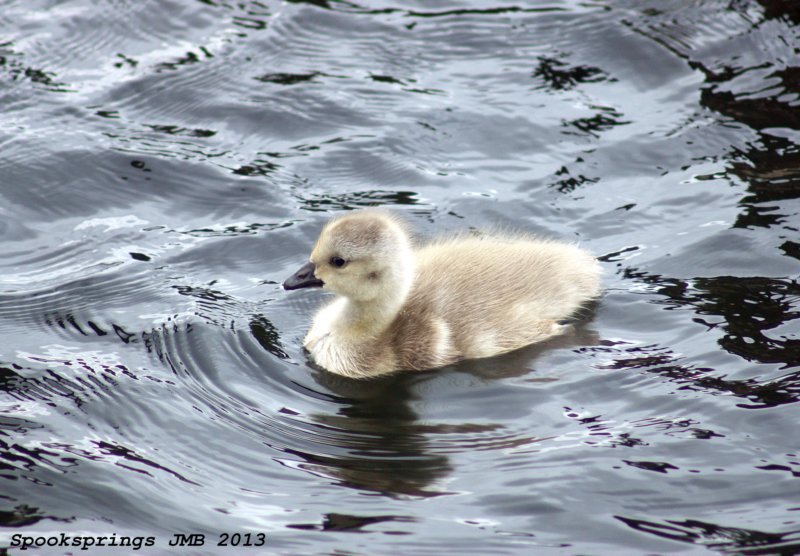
x=166 y=166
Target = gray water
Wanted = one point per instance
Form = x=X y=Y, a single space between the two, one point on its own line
x=165 y=165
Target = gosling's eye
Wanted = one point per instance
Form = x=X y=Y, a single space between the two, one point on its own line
x=338 y=262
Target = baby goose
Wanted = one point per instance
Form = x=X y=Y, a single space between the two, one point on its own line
x=404 y=308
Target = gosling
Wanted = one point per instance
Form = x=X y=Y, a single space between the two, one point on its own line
x=399 y=307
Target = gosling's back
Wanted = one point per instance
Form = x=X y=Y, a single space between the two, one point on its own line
x=478 y=297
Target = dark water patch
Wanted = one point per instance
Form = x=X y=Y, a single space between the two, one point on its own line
x=353 y=524
x=16 y=70
x=500 y=10
x=728 y=540
x=759 y=114
x=559 y=76
x=259 y=167
x=606 y=118
x=267 y=336
x=185 y=60
x=130 y=460
x=744 y=308
x=63 y=373
x=288 y=78
x=769 y=392
x=657 y=466
x=360 y=199
x=770 y=171
x=24 y=515
x=791 y=249
x=237 y=229
x=176 y=130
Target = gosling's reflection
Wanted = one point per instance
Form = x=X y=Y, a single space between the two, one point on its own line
x=381 y=446
x=379 y=443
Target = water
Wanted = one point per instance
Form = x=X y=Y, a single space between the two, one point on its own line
x=165 y=165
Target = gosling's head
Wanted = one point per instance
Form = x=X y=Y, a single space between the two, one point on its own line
x=363 y=255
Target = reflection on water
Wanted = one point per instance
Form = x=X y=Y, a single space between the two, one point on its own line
x=374 y=441
x=164 y=167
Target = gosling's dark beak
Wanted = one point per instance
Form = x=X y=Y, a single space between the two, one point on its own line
x=303 y=278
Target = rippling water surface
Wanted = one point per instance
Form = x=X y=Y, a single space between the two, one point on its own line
x=164 y=165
